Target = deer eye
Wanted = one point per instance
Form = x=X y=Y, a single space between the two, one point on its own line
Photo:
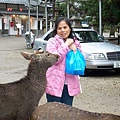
x=48 y=54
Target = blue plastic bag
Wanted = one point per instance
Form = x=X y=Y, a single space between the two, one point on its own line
x=75 y=63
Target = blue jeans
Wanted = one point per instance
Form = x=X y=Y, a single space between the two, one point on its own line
x=66 y=98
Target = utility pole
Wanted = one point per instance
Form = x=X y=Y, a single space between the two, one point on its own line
x=29 y=17
x=29 y=5
x=68 y=11
x=37 y=23
x=46 y=21
x=53 y=8
x=37 y=18
x=100 y=18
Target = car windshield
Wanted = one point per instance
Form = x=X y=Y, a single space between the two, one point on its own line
x=83 y=36
x=88 y=36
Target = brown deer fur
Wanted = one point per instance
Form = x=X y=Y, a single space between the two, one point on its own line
x=59 y=111
x=18 y=99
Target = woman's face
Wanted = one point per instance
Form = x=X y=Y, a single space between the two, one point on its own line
x=63 y=30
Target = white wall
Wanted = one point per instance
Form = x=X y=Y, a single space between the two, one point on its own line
x=33 y=22
x=6 y=22
x=7 y=18
x=12 y=31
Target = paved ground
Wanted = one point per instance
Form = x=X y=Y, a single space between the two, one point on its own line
x=12 y=64
x=101 y=90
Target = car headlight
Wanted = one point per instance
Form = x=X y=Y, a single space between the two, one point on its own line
x=96 y=56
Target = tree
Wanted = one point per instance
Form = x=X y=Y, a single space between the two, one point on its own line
x=110 y=10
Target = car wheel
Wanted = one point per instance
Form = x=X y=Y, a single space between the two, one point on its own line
x=117 y=70
x=87 y=72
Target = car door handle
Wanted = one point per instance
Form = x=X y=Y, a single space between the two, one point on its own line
x=44 y=44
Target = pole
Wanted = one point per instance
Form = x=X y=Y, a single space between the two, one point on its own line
x=68 y=12
x=53 y=8
x=37 y=22
x=100 y=18
x=46 y=14
x=29 y=16
x=29 y=22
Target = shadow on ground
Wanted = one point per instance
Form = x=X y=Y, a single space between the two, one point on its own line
x=102 y=73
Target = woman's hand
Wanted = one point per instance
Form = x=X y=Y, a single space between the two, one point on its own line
x=69 y=42
x=73 y=47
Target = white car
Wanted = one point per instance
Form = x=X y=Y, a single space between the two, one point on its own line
x=99 y=53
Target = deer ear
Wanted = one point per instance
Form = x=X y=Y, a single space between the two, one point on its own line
x=26 y=55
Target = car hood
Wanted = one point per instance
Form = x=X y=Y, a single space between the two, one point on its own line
x=99 y=47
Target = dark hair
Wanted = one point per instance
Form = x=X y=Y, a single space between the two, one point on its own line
x=67 y=22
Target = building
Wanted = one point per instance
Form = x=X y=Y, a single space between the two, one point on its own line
x=14 y=17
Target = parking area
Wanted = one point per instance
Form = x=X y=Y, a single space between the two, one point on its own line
x=101 y=90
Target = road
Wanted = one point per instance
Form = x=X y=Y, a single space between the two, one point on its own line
x=101 y=90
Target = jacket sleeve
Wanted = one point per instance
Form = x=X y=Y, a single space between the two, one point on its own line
x=77 y=44
x=53 y=46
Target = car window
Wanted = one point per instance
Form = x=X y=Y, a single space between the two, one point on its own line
x=94 y=36
x=78 y=36
x=88 y=36
x=83 y=36
x=48 y=36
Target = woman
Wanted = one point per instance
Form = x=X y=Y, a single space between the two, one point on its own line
x=62 y=87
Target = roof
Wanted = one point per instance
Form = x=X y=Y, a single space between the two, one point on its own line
x=22 y=13
x=25 y=2
x=14 y=1
x=22 y=2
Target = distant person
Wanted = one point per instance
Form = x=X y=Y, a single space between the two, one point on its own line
x=62 y=87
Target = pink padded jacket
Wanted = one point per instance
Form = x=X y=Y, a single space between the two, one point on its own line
x=56 y=75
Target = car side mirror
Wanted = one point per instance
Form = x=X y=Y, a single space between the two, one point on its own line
x=101 y=38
